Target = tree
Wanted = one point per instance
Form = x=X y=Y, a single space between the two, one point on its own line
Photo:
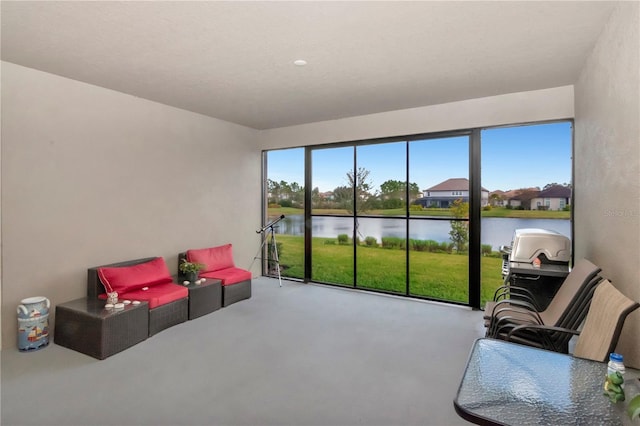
x=297 y=194
x=360 y=186
x=343 y=196
x=285 y=194
x=316 y=200
x=549 y=185
x=394 y=193
x=459 y=228
x=273 y=190
x=495 y=199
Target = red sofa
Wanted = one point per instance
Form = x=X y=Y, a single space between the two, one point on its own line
x=219 y=264
x=147 y=280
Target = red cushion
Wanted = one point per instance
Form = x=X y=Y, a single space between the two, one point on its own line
x=127 y=278
x=228 y=276
x=215 y=258
x=157 y=295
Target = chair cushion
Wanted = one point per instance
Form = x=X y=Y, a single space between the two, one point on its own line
x=215 y=258
x=157 y=295
x=128 y=278
x=228 y=276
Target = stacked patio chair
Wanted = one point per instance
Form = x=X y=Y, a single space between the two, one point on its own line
x=567 y=309
x=602 y=327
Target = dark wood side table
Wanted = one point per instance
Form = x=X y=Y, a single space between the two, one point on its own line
x=86 y=326
x=204 y=298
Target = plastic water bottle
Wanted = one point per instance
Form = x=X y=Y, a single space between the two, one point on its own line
x=614 y=382
x=616 y=364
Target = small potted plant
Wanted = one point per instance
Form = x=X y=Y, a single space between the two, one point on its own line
x=191 y=269
x=634 y=408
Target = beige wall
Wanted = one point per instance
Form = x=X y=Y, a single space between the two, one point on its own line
x=607 y=162
x=92 y=176
x=539 y=105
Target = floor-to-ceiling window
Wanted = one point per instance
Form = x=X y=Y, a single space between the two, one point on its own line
x=332 y=224
x=526 y=171
x=284 y=195
x=399 y=215
x=371 y=217
x=381 y=205
x=439 y=224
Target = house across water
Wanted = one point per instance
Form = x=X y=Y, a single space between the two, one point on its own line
x=445 y=193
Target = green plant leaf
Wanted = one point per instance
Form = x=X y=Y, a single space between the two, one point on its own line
x=634 y=407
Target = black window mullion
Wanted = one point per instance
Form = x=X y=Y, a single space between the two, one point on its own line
x=475 y=206
x=308 y=192
x=355 y=216
x=407 y=217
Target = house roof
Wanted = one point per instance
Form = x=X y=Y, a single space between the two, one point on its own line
x=556 y=191
x=526 y=195
x=512 y=193
x=453 y=184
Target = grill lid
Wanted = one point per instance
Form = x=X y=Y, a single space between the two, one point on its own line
x=531 y=243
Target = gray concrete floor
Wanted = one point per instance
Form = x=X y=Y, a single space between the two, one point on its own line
x=297 y=355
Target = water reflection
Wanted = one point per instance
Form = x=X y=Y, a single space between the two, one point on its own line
x=495 y=231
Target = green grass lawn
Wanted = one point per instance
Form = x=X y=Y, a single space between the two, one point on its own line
x=434 y=275
x=440 y=276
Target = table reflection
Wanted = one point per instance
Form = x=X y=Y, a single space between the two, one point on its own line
x=507 y=383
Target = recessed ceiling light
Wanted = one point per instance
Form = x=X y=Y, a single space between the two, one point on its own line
x=300 y=62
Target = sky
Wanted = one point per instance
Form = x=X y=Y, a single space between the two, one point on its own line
x=512 y=158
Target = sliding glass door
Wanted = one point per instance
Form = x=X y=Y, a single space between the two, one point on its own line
x=285 y=196
x=381 y=226
x=439 y=219
x=332 y=223
x=527 y=171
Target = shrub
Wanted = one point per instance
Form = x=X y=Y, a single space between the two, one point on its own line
x=487 y=208
x=371 y=242
x=393 y=243
x=330 y=242
x=393 y=203
x=419 y=245
x=416 y=207
x=343 y=239
x=486 y=249
x=430 y=246
x=285 y=203
x=436 y=247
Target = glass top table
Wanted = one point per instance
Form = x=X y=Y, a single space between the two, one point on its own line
x=510 y=384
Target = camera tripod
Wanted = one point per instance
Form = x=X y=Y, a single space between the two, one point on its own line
x=273 y=262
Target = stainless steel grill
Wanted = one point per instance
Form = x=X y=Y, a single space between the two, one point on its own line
x=506 y=252
x=538 y=259
x=546 y=246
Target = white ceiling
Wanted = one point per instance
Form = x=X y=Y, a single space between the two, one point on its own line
x=234 y=60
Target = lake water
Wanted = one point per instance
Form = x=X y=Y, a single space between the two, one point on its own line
x=495 y=231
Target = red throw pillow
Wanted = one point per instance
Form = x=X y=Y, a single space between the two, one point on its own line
x=215 y=258
x=129 y=278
